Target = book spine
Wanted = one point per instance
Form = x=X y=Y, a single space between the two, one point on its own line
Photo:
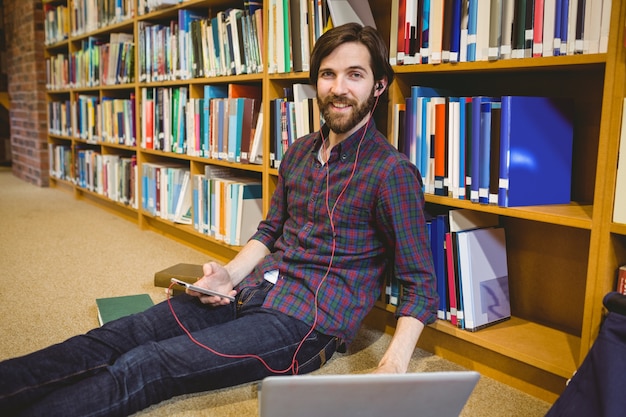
x=621 y=280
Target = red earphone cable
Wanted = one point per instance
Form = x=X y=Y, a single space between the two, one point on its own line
x=294 y=363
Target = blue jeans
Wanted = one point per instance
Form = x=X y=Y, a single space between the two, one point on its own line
x=140 y=360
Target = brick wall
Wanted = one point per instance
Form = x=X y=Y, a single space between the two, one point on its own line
x=27 y=89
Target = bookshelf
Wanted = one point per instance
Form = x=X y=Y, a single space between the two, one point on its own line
x=562 y=258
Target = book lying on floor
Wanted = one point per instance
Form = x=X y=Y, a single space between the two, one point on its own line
x=189 y=273
x=113 y=308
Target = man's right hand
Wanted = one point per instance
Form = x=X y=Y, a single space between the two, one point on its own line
x=215 y=278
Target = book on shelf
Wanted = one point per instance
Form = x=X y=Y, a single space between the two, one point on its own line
x=621 y=280
x=202 y=203
x=247 y=210
x=119 y=68
x=182 y=212
x=294 y=115
x=487 y=134
x=211 y=92
x=183 y=271
x=496 y=16
x=438 y=228
x=306 y=109
x=537 y=28
x=436 y=29
x=451 y=276
x=174 y=122
x=113 y=308
x=619 y=203
x=56 y=23
x=419 y=129
x=495 y=29
x=484 y=277
x=440 y=111
x=456 y=32
x=528 y=32
x=162 y=189
x=249 y=115
x=293 y=28
x=148 y=6
x=351 y=11
x=483 y=28
x=461 y=220
x=256 y=147
x=396 y=35
x=300 y=30
x=227 y=43
x=418 y=44
x=226 y=205
x=494 y=153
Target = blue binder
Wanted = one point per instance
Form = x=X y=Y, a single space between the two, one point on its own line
x=535 y=151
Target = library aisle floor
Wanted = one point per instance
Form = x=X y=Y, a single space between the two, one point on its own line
x=55 y=263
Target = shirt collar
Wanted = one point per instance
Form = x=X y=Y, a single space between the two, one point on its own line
x=348 y=145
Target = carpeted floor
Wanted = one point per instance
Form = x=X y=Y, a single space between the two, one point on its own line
x=58 y=254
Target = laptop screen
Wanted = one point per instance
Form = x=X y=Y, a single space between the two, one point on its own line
x=436 y=394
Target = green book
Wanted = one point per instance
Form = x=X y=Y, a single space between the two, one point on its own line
x=112 y=308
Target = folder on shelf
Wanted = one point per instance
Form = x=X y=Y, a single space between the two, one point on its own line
x=249 y=211
x=484 y=277
x=536 y=144
x=461 y=220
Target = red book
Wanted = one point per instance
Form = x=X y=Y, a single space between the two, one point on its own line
x=538 y=29
x=401 y=32
x=621 y=280
x=149 y=123
x=440 y=147
x=245 y=90
x=450 y=256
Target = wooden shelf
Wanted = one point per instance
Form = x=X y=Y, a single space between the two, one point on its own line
x=572 y=215
x=526 y=64
x=543 y=347
x=540 y=346
x=618 y=228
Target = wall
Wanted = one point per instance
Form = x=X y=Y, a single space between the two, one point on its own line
x=24 y=33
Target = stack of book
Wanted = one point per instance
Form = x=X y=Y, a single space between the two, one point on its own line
x=224 y=124
x=294 y=115
x=112 y=176
x=295 y=26
x=226 y=206
x=56 y=23
x=196 y=45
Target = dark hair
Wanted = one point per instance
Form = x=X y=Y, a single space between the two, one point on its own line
x=352 y=32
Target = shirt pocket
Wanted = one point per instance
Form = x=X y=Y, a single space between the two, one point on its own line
x=352 y=214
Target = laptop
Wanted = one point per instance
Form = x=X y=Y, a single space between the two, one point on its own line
x=425 y=394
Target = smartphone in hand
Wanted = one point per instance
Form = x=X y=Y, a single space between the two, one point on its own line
x=202 y=290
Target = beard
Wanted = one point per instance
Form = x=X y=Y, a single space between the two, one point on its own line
x=344 y=122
